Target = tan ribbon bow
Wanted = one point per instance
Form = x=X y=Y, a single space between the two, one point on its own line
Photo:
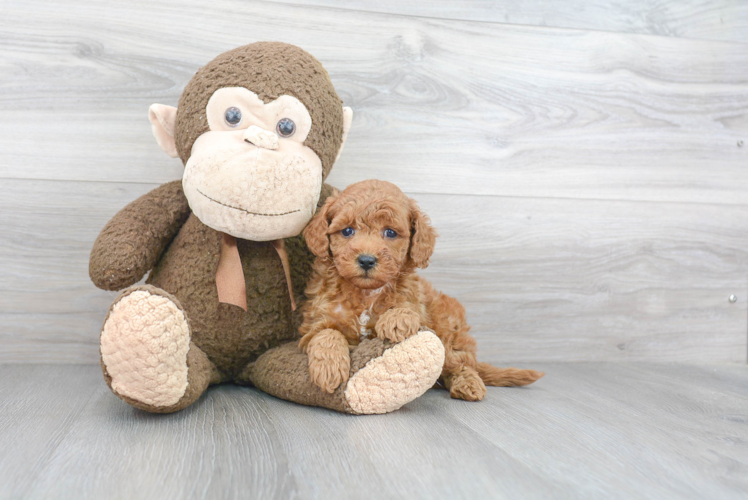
x=232 y=288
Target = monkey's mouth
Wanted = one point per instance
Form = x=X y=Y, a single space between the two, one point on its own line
x=246 y=211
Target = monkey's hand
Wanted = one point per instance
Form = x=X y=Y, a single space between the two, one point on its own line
x=329 y=359
x=397 y=324
x=132 y=242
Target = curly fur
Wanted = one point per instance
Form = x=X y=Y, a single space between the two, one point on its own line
x=348 y=302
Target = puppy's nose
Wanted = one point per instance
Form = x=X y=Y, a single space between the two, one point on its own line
x=366 y=262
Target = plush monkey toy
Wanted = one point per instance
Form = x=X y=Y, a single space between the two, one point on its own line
x=258 y=130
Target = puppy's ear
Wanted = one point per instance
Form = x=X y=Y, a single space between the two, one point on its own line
x=422 y=238
x=315 y=233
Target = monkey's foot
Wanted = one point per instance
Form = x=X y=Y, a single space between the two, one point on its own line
x=382 y=378
x=399 y=375
x=146 y=352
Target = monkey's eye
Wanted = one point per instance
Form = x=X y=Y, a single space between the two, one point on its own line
x=233 y=116
x=286 y=127
x=347 y=232
x=390 y=233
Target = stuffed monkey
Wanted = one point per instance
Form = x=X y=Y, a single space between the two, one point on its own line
x=258 y=130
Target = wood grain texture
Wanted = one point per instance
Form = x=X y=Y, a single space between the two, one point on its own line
x=588 y=185
x=38 y=406
x=593 y=280
x=440 y=106
x=589 y=430
x=50 y=311
x=717 y=20
x=542 y=279
x=626 y=430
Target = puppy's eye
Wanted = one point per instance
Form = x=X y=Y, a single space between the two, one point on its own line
x=347 y=232
x=233 y=116
x=286 y=127
x=390 y=233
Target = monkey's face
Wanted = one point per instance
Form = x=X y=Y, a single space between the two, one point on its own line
x=251 y=175
x=254 y=159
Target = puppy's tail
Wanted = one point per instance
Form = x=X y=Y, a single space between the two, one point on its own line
x=507 y=377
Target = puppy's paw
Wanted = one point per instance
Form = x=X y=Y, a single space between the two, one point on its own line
x=397 y=324
x=329 y=360
x=467 y=385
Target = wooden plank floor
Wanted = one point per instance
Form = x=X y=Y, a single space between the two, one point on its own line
x=587 y=430
x=710 y=19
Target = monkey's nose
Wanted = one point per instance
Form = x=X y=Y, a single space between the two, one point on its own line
x=366 y=262
x=261 y=137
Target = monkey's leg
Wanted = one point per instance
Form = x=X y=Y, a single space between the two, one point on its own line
x=147 y=356
x=383 y=376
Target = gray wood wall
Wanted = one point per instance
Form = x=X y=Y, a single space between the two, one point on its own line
x=584 y=164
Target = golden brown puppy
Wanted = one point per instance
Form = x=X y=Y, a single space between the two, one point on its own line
x=368 y=241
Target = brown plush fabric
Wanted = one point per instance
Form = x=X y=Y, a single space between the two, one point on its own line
x=283 y=372
x=366 y=351
x=200 y=371
x=270 y=69
x=132 y=242
x=230 y=336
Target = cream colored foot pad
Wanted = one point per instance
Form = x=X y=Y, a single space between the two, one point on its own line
x=403 y=373
x=144 y=347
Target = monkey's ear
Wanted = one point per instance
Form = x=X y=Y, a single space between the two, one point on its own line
x=347 y=120
x=163 y=118
x=423 y=237
x=315 y=233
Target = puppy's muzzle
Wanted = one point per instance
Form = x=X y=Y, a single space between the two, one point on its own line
x=366 y=261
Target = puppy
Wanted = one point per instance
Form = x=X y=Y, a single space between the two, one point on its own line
x=369 y=240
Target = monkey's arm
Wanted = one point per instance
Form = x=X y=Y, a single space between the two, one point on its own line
x=134 y=239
